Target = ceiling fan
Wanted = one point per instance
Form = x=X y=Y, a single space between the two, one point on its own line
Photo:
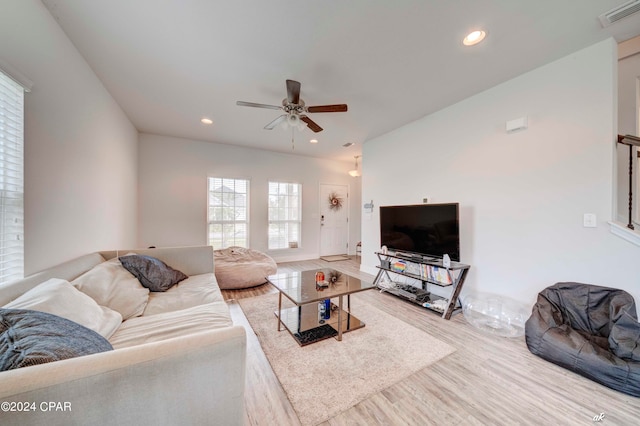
x=295 y=109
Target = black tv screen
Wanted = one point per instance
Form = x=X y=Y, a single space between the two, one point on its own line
x=426 y=229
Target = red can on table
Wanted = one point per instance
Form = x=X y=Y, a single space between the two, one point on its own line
x=319 y=276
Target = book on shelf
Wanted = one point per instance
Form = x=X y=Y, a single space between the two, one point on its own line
x=399 y=266
x=413 y=268
x=437 y=274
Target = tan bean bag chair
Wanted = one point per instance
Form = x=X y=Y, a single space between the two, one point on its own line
x=239 y=267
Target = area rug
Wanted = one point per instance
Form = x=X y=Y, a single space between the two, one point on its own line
x=335 y=258
x=325 y=378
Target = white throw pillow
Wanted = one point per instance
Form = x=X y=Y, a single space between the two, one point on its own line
x=111 y=285
x=59 y=297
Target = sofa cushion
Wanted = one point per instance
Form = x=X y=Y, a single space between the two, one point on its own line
x=147 y=329
x=59 y=297
x=151 y=272
x=195 y=290
x=31 y=337
x=111 y=285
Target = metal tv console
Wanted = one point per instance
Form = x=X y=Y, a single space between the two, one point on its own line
x=428 y=271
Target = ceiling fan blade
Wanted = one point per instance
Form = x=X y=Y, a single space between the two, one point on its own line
x=293 y=91
x=275 y=122
x=255 y=105
x=327 y=108
x=311 y=124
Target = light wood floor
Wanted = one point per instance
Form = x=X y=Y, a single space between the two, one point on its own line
x=487 y=381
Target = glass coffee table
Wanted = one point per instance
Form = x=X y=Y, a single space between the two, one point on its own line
x=308 y=321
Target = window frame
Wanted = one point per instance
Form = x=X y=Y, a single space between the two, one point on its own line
x=246 y=221
x=12 y=177
x=271 y=221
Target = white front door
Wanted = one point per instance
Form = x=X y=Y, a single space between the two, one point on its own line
x=334 y=219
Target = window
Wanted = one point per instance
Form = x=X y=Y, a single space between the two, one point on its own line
x=11 y=180
x=285 y=200
x=228 y=212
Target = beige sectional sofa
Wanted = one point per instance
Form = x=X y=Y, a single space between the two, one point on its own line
x=177 y=358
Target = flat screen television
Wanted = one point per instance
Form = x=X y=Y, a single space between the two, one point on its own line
x=430 y=230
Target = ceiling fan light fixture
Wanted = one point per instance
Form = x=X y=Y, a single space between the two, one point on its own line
x=293 y=120
x=474 y=38
x=295 y=110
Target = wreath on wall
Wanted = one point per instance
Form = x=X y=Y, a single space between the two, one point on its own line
x=335 y=202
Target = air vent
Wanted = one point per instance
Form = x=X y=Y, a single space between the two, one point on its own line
x=620 y=12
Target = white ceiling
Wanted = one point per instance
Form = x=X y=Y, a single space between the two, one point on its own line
x=169 y=63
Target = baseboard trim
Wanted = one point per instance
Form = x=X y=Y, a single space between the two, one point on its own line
x=372 y=270
x=295 y=257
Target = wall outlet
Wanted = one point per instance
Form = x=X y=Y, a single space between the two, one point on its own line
x=589 y=220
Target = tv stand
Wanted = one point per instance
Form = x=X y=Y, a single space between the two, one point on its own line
x=410 y=256
x=428 y=271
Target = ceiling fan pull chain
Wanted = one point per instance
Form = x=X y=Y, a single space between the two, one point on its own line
x=293 y=145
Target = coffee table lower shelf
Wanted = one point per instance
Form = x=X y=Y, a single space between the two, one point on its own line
x=304 y=324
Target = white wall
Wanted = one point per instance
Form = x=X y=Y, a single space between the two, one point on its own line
x=80 y=148
x=173 y=191
x=522 y=195
x=628 y=75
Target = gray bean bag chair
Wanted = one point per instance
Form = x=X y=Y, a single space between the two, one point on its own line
x=239 y=267
x=590 y=330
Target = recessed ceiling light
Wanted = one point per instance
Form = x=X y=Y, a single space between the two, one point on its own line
x=206 y=121
x=474 y=37
x=313 y=141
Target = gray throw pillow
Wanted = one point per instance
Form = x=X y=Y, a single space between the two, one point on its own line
x=32 y=337
x=152 y=273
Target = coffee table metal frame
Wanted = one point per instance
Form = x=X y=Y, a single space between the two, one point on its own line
x=301 y=289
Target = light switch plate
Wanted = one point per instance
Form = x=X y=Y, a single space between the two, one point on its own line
x=589 y=220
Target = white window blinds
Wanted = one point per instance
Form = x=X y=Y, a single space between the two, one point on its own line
x=228 y=212
x=285 y=217
x=11 y=180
